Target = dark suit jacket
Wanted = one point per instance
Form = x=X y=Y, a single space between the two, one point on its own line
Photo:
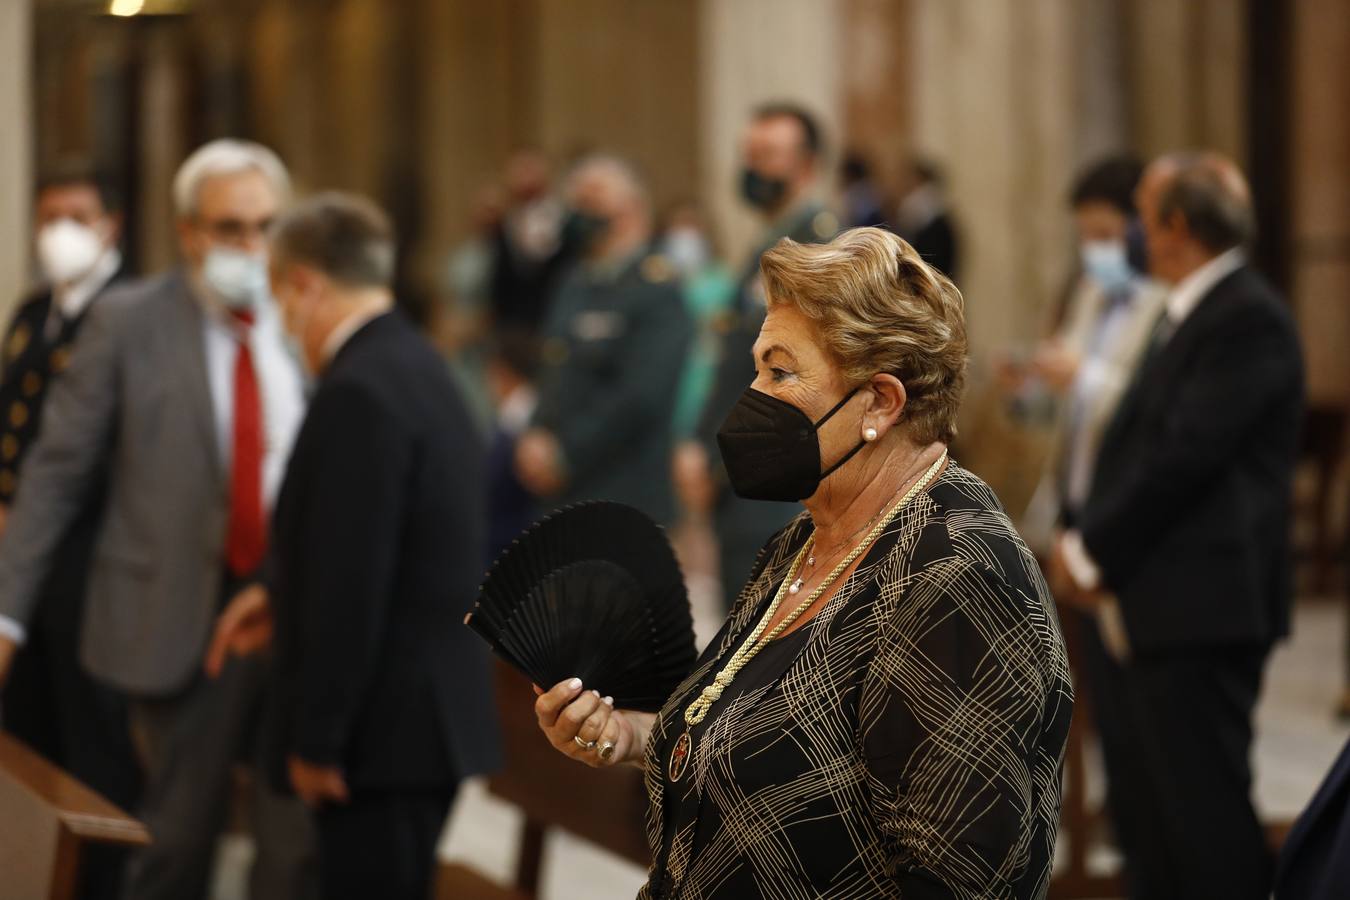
x=1315 y=861
x=1189 y=513
x=938 y=244
x=32 y=360
x=377 y=552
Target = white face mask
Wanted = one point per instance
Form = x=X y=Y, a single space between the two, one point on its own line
x=238 y=278
x=687 y=250
x=67 y=250
x=1107 y=262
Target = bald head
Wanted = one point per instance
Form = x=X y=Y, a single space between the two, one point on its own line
x=609 y=189
x=1193 y=206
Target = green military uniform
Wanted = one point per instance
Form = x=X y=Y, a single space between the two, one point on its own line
x=615 y=343
x=743 y=526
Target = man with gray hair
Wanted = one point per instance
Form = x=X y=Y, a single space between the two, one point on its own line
x=182 y=391
x=615 y=341
x=1187 y=527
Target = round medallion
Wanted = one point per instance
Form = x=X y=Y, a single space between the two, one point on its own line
x=679 y=757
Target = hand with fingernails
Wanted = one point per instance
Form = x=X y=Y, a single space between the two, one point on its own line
x=584 y=725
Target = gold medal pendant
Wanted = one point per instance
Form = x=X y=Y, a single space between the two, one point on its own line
x=679 y=757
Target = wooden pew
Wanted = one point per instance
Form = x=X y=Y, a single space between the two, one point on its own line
x=607 y=807
x=46 y=818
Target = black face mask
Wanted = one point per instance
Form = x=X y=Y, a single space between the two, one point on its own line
x=772 y=450
x=760 y=192
x=581 y=229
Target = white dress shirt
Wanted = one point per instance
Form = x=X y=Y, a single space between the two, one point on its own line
x=281 y=386
x=1181 y=302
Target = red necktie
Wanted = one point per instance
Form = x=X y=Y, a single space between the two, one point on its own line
x=247 y=538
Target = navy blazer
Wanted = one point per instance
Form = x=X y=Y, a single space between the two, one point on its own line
x=1315 y=861
x=1189 y=513
x=377 y=554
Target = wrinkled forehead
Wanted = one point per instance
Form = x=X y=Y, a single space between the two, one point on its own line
x=789 y=335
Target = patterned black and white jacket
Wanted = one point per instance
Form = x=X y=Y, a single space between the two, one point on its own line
x=912 y=747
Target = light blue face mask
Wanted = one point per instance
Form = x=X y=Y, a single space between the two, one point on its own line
x=239 y=279
x=1108 y=264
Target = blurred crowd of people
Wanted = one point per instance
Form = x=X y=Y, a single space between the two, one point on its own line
x=596 y=345
x=605 y=341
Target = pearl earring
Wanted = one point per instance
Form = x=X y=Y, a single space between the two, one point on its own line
x=869 y=434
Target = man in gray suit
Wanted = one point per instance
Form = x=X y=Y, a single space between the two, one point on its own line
x=183 y=392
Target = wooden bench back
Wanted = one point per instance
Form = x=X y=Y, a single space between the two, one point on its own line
x=46 y=816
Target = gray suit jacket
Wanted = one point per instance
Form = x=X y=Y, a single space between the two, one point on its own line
x=137 y=401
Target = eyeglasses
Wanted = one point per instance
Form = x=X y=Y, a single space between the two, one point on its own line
x=235 y=232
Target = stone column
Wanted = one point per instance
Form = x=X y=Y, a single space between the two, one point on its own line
x=1187 y=67
x=1320 y=182
x=16 y=150
x=752 y=52
x=996 y=106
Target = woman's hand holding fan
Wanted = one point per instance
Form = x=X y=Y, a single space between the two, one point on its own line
x=585 y=726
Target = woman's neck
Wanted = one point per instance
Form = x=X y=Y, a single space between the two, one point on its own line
x=838 y=513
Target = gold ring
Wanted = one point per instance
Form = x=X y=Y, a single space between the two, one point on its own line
x=606 y=749
x=584 y=745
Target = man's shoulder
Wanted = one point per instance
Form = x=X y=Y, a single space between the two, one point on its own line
x=1248 y=300
x=133 y=298
x=34 y=303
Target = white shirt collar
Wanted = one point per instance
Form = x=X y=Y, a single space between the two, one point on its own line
x=1189 y=291
x=339 y=336
x=73 y=299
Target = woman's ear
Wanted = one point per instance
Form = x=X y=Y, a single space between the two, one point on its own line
x=886 y=400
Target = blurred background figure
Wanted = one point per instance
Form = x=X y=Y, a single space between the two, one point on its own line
x=182 y=390
x=382 y=700
x=781 y=157
x=1102 y=328
x=531 y=248
x=462 y=322
x=512 y=367
x=49 y=701
x=686 y=242
x=614 y=348
x=1187 y=529
x=923 y=219
x=863 y=202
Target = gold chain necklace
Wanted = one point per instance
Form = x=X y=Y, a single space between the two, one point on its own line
x=795 y=587
x=696 y=711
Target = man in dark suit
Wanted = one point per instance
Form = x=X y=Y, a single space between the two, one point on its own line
x=49 y=701
x=384 y=701
x=782 y=149
x=1187 y=525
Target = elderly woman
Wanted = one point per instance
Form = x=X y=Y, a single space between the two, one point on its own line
x=885 y=710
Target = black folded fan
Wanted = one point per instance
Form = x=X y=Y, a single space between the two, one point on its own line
x=592 y=591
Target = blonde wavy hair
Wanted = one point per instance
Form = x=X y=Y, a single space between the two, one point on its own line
x=880 y=308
